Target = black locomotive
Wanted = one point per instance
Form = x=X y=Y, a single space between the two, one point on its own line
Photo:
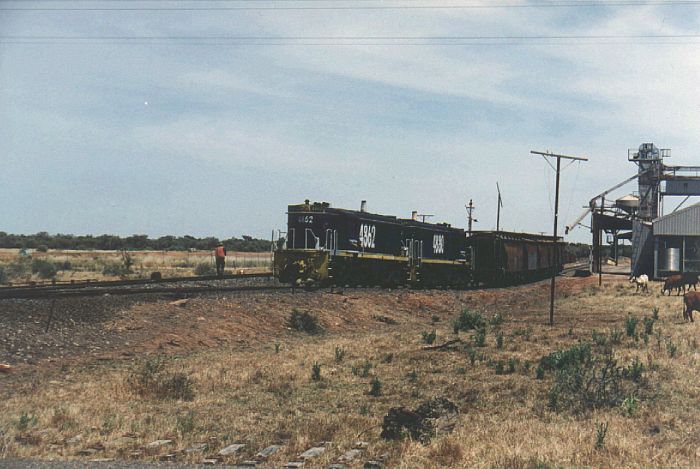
x=333 y=246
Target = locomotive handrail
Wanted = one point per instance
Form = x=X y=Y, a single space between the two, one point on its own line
x=306 y=237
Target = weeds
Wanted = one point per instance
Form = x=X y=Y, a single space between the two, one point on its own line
x=599 y=339
x=601 y=429
x=375 y=387
x=480 y=337
x=630 y=406
x=25 y=420
x=496 y=320
x=362 y=370
x=499 y=340
x=671 y=348
x=648 y=325
x=204 y=269
x=631 y=325
x=304 y=322
x=151 y=380
x=615 y=336
x=316 y=372
x=339 y=354
x=429 y=337
x=655 y=313
x=185 y=423
x=468 y=320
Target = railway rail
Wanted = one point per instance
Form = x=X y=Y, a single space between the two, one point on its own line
x=136 y=287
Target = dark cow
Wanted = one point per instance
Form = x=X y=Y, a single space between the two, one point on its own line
x=674 y=281
x=692 y=302
x=691 y=280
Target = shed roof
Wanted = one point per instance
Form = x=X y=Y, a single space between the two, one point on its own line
x=684 y=222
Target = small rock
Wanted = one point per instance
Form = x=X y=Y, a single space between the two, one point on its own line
x=102 y=460
x=373 y=465
x=198 y=448
x=210 y=462
x=76 y=439
x=86 y=452
x=269 y=451
x=312 y=452
x=293 y=465
x=180 y=303
x=231 y=449
x=158 y=444
x=168 y=457
x=350 y=455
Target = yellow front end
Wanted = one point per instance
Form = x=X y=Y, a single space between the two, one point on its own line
x=301 y=266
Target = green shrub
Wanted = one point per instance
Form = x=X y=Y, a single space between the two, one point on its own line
x=601 y=429
x=339 y=354
x=615 y=336
x=595 y=383
x=671 y=348
x=634 y=371
x=362 y=370
x=25 y=421
x=648 y=325
x=316 y=372
x=468 y=320
x=185 y=423
x=429 y=337
x=499 y=340
x=630 y=325
x=498 y=367
x=375 y=387
x=496 y=320
x=565 y=358
x=150 y=379
x=304 y=322
x=480 y=337
x=204 y=269
x=599 y=339
x=44 y=268
x=4 y=277
x=412 y=376
x=630 y=406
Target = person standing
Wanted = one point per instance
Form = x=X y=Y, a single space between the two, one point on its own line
x=220 y=255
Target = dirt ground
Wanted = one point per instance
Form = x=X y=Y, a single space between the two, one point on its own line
x=71 y=392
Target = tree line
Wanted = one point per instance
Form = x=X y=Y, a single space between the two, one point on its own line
x=137 y=242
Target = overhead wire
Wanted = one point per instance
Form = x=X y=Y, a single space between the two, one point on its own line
x=309 y=5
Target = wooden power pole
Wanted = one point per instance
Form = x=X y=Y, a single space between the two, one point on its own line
x=556 y=220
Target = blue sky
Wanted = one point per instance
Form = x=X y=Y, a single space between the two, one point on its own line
x=180 y=137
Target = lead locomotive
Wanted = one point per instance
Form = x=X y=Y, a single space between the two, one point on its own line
x=333 y=246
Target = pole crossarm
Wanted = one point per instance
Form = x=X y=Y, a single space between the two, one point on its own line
x=554 y=155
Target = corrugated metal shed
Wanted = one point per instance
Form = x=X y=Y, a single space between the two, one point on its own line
x=684 y=222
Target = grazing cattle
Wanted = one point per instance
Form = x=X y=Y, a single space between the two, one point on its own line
x=691 y=280
x=692 y=302
x=641 y=282
x=674 y=281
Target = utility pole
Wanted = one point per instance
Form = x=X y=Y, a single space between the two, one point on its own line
x=470 y=208
x=498 y=211
x=556 y=220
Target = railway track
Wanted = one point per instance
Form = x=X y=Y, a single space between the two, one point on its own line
x=149 y=286
x=139 y=287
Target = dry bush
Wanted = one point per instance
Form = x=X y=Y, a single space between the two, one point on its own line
x=150 y=379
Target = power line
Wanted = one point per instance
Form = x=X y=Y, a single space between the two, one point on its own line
x=570 y=4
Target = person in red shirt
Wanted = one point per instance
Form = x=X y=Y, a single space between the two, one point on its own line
x=220 y=255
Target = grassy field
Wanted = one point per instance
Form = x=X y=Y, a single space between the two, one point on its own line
x=273 y=384
x=67 y=265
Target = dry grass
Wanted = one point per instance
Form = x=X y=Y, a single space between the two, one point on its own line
x=100 y=265
x=263 y=394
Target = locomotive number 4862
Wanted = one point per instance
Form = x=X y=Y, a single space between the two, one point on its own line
x=367 y=235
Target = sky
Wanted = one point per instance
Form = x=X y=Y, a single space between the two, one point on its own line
x=208 y=118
